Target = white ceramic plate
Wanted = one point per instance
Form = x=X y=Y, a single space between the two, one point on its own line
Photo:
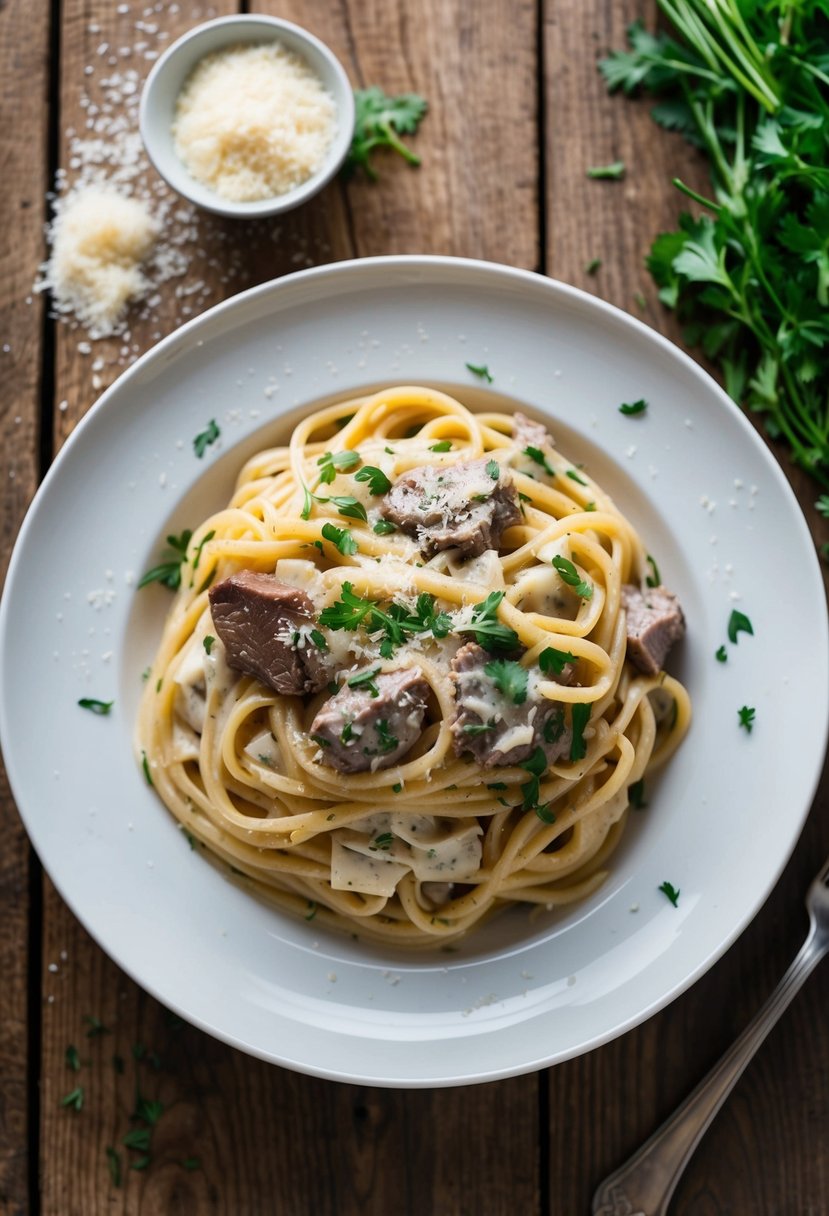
x=715 y=511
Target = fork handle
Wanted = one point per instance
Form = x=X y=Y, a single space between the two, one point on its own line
x=643 y=1186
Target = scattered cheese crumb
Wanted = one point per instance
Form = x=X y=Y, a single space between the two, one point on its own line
x=100 y=239
x=253 y=122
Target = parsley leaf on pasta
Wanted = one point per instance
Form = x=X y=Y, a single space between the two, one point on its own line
x=487 y=629
x=378 y=482
x=509 y=677
x=538 y=456
x=570 y=575
x=552 y=662
x=341 y=537
x=350 y=507
x=580 y=717
x=332 y=463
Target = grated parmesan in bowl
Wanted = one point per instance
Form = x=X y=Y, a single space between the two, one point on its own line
x=247 y=115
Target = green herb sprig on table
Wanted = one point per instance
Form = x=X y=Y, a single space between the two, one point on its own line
x=749 y=277
x=379 y=121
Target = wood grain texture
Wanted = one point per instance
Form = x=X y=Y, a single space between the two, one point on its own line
x=234 y=1135
x=268 y=1140
x=24 y=41
x=752 y=1159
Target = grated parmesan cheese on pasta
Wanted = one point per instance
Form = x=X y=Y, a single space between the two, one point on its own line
x=253 y=122
x=99 y=242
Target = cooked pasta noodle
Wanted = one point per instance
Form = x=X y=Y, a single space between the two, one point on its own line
x=515 y=724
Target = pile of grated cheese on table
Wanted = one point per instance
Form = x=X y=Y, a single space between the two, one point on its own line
x=118 y=233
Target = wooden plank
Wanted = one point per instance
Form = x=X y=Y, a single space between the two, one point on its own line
x=360 y=1151
x=24 y=55
x=760 y=1154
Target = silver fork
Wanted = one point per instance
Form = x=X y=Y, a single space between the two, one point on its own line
x=643 y=1186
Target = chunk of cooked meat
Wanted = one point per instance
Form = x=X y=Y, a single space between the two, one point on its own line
x=372 y=725
x=465 y=506
x=528 y=433
x=492 y=727
x=654 y=622
x=265 y=627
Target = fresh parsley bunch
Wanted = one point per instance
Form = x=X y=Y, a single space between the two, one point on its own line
x=379 y=121
x=747 y=81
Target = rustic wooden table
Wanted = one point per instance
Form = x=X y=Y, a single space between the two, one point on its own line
x=518 y=112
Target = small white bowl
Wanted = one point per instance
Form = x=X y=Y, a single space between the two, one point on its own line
x=170 y=72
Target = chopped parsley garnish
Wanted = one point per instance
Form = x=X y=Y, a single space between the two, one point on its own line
x=309 y=915
x=670 y=892
x=487 y=629
x=347 y=733
x=574 y=476
x=397 y=623
x=746 y=716
x=341 y=538
x=197 y=554
x=73 y=1060
x=397 y=787
x=538 y=456
x=379 y=121
x=204 y=439
x=332 y=463
x=589 y=506
x=570 y=575
x=632 y=408
x=145 y=764
x=318 y=639
x=365 y=679
x=96 y=707
x=168 y=572
x=384 y=527
x=478 y=728
x=482 y=371
x=580 y=717
x=613 y=172
x=721 y=655
x=443 y=445
x=378 y=482
x=307 y=503
x=592 y=266
x=544 y=813
x=74 y=1099
x=636 y=795
x=350 y=507
x=553 y=728
x=510 y=678
x=388 y=741
x=552 y=662
x=208 y=643
x=383 y=842
x=654 y=578
x=536 y=766
x=493 y=469
x=738 y=622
